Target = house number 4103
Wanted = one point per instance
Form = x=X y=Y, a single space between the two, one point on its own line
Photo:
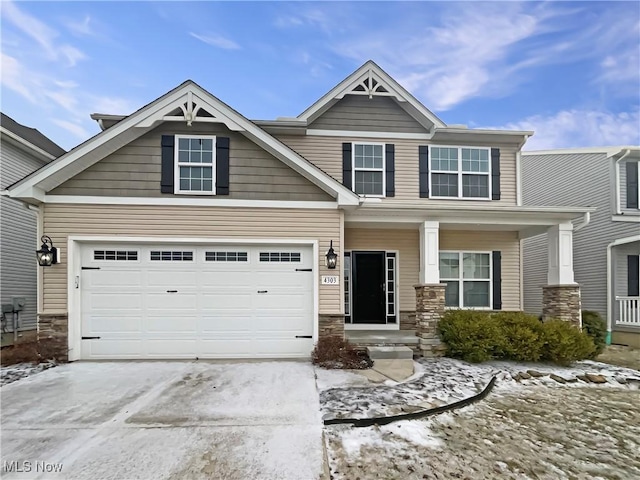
x=330 y=280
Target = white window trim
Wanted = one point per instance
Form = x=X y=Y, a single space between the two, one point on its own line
x=460 y=279
x=177 y=165
x=459 y=173
x=383 y=170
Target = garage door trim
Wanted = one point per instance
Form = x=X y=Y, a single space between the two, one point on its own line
x=74 y=264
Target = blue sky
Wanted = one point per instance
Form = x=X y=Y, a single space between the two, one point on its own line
x=568 y=70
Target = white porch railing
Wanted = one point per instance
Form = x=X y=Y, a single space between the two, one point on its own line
x=629 y=311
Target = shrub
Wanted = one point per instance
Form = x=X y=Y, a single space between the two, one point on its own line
x=335 y=352
x=470 y=335
x=521 y=336
x=477 y=336
x=594 y=326
x=563 y=343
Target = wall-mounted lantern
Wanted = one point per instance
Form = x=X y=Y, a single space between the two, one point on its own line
x=331 y=257
x=48 y=254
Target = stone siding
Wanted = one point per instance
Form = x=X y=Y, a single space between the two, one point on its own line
x=562 y=302
x=408 y=320
x=330 y=325
x=429 y=311
x=52 y=335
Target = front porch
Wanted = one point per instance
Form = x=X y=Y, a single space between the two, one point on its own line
x=401 y=271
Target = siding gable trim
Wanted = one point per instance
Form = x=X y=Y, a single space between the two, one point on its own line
x=140 y=122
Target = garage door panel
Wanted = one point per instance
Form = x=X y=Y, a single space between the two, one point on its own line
x=186 y=302
x=216 y=312
x=226 y=323
x=172 y=278
x=172 y=325
x=114 y=324
x=105 y=301
x=163 y=348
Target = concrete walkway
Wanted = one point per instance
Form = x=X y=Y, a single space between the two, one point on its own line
x=163 y=420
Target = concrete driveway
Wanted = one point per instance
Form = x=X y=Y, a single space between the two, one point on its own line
x=163 y=420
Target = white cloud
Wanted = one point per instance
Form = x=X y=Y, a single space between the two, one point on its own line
x=13 y=77
x=42 y=34
x=217 y=41
x=110 y=105
x=580 y=128
x=82 y=27
x=73 y=128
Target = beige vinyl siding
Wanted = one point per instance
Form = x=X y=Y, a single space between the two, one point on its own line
x=359 y=112
x=407 y=243
x=134 y=170
x=62 y=221
x=326 y=153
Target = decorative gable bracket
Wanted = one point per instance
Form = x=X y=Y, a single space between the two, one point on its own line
x=189 y=108
x=372 y=85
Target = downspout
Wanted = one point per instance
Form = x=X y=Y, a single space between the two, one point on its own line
x=519 y=172
x=586 y=219
x=40 y=272
x=609 y=292
x=616 y=167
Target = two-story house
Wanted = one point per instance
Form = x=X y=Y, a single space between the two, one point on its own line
x=22 y=150
x=185 y=230
x=607 y=251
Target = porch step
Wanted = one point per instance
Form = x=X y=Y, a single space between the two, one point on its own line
x=389 y=353
x=379 y=338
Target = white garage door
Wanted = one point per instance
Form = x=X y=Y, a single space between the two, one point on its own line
x=177 y=301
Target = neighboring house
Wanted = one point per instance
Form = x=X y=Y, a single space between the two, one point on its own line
x=22 y=150
x=606 y=252
x=186 y=230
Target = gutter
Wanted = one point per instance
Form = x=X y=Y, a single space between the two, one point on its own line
x=616 y=167
x=586 y=219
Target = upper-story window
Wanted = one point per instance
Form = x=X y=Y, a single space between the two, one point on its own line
x=460 y=172
x=195 y=164
x=368 y=169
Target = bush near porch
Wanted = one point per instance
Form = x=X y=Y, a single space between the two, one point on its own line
x=477 y=336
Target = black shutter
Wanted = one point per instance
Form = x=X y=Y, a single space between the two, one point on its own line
x=346 y=166
x=390 y=169
x=495 y=174
x=166 y=176
x=222 y=166
x=423 y=165
x=633 y=275
x=632 y=184
x=496 y=261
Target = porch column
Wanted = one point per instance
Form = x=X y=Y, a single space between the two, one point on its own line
x=561 y=295
x=429 y=249
x=429 y=292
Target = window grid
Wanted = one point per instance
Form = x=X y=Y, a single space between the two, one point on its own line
x=468 y=276
x=460 y=172
x=195 y=159
x=118 y=255
x=368 y=169
x=171 y=256
x=391 y=287
x=347 y=286
x=282 y=257
x=226 y=256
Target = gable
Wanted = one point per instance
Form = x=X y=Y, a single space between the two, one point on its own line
x=134 y=170
x=361 y=113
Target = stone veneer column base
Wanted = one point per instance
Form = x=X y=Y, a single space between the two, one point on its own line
x=562 y=302
x=330 y=325
x=429 y=311
x=53 y=335
x=408 y=320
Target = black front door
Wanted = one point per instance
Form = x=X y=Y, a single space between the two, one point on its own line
x=368 y=287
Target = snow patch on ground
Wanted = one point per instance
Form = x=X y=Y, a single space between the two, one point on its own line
x=417 y=433
x=326 y=379
x=13 y=373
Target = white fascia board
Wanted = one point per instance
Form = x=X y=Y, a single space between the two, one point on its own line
x=481 y=131
x=27 y=192
x=376 y=135
x=182 y=201
x=36 y=151
x=609 y=151
x=348 y=83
